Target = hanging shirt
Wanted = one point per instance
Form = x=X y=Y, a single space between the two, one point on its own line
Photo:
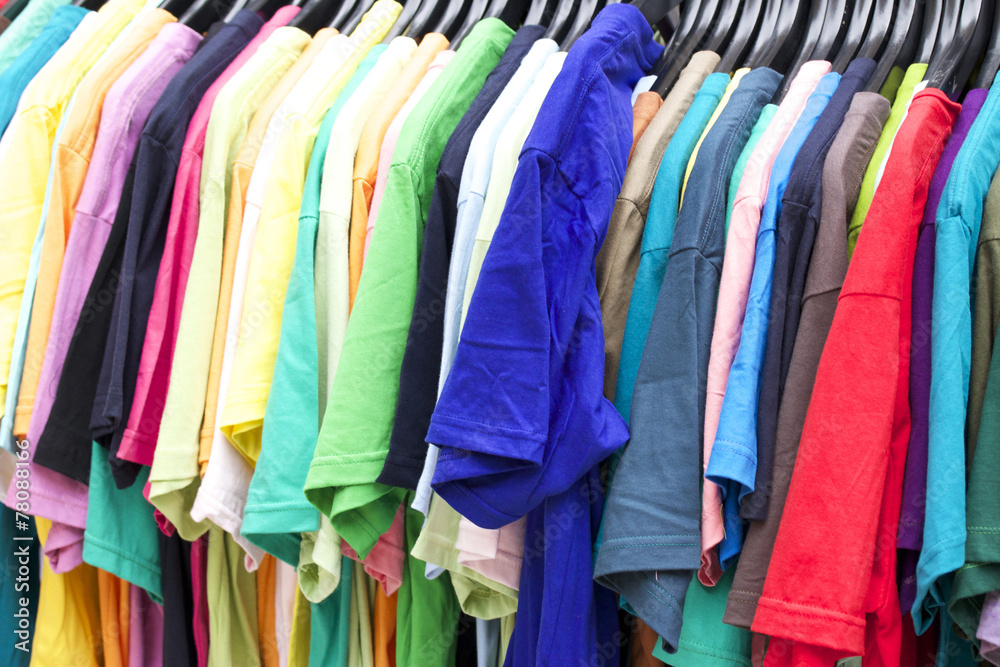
x=277 y=512
x=274 y=191
x=437 y=66
x=737 y=270
x=183 y=443
x=379 y=328
x=28 y=25
x=914 y=74
x=618 y=260
x=842 y=172
x=367 y=159
x=654 y=580
x=911 y=520
x=476 y=226
x=421 y=358
x=832 y=497
x=957 y=223
x=800 y=213
x=229 y=113
x=22 y=70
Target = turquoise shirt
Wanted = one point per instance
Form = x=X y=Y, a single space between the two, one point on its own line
x=957 y=225
x=25 y=28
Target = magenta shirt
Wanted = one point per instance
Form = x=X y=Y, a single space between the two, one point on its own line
x=139 y=439
x=126 y=108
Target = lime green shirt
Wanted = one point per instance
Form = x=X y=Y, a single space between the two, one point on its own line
x=914 y=74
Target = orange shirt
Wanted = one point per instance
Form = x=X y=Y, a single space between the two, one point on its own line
x=366 y=160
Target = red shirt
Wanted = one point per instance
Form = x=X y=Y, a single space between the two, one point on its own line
x=831 y=580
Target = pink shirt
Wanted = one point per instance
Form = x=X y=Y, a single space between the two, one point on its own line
x=734 y=287
x=126 y=108
x=495 y=554
x=437 y=65
x=139 y=438
x=385 y=561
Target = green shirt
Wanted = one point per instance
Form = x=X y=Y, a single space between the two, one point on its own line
x=354 y=437
x=22 y=30
x=914 y=75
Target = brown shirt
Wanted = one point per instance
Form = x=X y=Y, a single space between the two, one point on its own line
x=842 y=174
x=618 y=260
x=645 y=107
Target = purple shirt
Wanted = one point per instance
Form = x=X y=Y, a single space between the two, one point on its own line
x=126 y=107
x=911 y=520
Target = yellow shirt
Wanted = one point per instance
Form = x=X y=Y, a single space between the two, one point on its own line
x=72 y=155
x=274 y=244
x=24 y=168
x=242 y=169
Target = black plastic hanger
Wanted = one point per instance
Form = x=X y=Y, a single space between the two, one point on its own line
x=974 y=48
x=562 y=20
x=725 y=24
x=584 y=16
x=175 y=7
x=92 y=5
x=477 y=10
x=337 y=12
x=512 y=13
x=908 y=52
x=901 y=22
x=739 y=41
x=686 y=46
x=991 y=61
x=266 y=8
x=833 y=31
x=200 y=15
x=315 y=14
x=451 y=19
x=541 y=12
x=930 y=24
x=768 y=24
x=353 y=20
x=856 y=27
x=410 y=8
x=958 y=23
x=878 y=30
x=426 y=17
x=815 y=23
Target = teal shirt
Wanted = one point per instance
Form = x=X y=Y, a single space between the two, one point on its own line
x=23 y=69
x=957 y=226
x=25 y=28
x=766 y=114
x=659 y=232
x=277 y=511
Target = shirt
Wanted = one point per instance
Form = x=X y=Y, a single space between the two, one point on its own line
x=732 y=465
x=422 y=356
x=274 y=246
x=28 y=25
x=734 y=283
x=956 y=230
x=174 y=476
x=276 y=510
x=800 y=213
x=911 y=520
x=23 y=69
x=831 y=497
x=72 y=160
x=226 y=116
x=913 y=76
x=618 y=260
x=654 y=580
x=379 y=327
x=67 y=433
x=274 y=190
x=369 y=145
x=842 y=173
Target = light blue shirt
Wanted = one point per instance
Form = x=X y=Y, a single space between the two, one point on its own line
x=733 y=463
x=957 y=224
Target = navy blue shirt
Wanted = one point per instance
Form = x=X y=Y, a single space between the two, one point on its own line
x=522 y=419
x=800 y=213
x=418 y=377
x=112 y=318
x=652 y=541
